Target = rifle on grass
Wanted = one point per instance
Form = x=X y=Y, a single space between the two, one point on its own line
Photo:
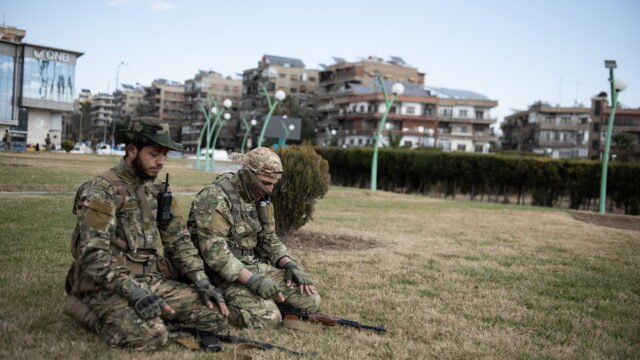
x=211 y=342
x=324 y=319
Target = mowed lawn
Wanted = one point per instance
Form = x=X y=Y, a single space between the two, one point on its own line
x=448 y=279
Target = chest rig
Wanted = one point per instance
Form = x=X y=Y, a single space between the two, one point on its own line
x=247 y=222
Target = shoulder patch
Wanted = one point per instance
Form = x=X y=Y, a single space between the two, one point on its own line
x=98 y=215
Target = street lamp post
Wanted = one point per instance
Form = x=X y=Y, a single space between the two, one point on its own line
x=282 y=142
x=397 y=89
x=615 y=88
x=217 y=122
x=226 y=117
x=280 y=95
x=247 y=127
x=113 y=133
x=205 y=128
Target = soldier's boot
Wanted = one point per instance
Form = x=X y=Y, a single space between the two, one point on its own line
x=124 y=328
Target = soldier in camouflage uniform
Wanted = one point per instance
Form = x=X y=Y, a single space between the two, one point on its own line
x=118 y=282
x=231 y=222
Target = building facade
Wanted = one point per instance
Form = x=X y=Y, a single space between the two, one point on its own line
x=164 y=99
x=464 y=120
x=207 y=85
x=276 y=73
x=625 y=121
x=37 y=85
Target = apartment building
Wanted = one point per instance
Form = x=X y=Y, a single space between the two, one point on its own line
x=100 y=126
x=277 y=73
x=37 y=85
x=359 y=108
x=164 y=99
x=207 y=85
x=127 y=102
x=464 y=120
x=626 y=120
x=558 y=132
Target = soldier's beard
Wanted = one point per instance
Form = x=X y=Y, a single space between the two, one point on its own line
x=140 y=171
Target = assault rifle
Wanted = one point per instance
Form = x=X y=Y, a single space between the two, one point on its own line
x=211 y=342
x=164 y=205
x=330 y=320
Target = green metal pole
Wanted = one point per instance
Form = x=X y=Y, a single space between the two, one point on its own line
x=328 y=134
x=246 y=134
x=272 y=106
x=607 y=145
x=215 y=140
x=207 y=163
x=374 y=162
x=205 y=127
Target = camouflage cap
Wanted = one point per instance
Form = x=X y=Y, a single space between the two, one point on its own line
x=262 y=161
x=151 y=129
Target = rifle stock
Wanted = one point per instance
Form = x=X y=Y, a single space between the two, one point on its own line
x=326 y=319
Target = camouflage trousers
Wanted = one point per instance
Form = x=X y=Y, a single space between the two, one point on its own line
x=120 y=325
x=248 y=310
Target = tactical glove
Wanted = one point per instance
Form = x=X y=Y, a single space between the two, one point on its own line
x=263 y=286
x=146 y=303
x=207 y=292
x=293 y=272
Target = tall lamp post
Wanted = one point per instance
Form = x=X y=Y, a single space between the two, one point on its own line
x=330 y=134
x=247 y=127
x=397 y=89
x=226 y=117
x=113 y=132
x=616 y=86
x=282 y=142
x=209 y=127
x=205 y=128
x=280 y=95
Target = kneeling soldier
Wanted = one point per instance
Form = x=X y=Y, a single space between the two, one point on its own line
x=231 y=222
x=118 y=282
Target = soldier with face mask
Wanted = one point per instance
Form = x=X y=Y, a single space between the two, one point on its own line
x=119 y=283
x=232 y=224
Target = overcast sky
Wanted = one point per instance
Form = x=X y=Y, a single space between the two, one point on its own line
x=515 y=52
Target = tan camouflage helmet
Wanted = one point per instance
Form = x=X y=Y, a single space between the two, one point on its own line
x=148 y=130
x=262 y=161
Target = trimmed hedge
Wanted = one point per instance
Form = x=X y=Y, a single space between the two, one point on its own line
x=305 y=179
x=546 y=181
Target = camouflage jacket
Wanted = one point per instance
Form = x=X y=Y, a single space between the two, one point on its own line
x=217 y=232
x=116 y=240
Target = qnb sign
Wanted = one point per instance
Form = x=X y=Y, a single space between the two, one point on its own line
x=51 y=55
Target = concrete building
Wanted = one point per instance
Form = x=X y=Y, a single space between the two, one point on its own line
x=37 y=85
x=464 y=120
x=100 y=126
x=558 y=132
x=277 y=73
x=127 y=102
x=337 y=79
x=197 y=92
x=626 y=120
x=359 y=108
x=164 y=99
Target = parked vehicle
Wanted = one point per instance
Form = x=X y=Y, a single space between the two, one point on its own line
x=81 y=148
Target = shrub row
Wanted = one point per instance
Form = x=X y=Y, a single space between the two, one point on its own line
x=545 y=181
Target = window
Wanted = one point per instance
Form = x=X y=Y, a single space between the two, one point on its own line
x=478 y=148
x=410 y=110
x=282 y=76
x=596 y=127
x=584 y=121
x=428 y=111
x=6 y=87
x=479 y=114
x=595 y=144
x=447 y=111
x=361 y=108
x=550 y=120
x=462 y=147
x=311 y=78
x=293 y=90
x=565 y=121
x=462 y=113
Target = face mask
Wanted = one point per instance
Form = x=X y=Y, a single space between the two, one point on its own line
x=252 y=185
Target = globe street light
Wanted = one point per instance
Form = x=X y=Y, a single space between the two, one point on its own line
x=397 y=89
x=616 y=86
x=247 y=127
x=279 y=96
x=282 y=142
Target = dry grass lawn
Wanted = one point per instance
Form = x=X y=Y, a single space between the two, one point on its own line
x=449 y=279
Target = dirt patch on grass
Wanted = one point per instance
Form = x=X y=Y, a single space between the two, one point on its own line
x=308 y=240
x=625 y=222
